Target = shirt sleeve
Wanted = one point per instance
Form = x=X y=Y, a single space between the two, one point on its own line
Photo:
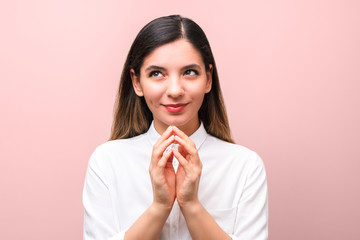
x=99 y=219
x=252 y=214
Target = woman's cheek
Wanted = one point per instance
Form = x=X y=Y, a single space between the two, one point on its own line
x=156 y=88
x=154 y=91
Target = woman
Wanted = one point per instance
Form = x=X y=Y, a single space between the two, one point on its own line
x=171 y=169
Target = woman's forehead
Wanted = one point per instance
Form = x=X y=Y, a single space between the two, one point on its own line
x=174 y=54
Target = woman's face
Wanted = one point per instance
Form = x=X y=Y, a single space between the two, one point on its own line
x=173 y=81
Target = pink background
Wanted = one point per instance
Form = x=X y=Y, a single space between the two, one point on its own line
x=290 y=73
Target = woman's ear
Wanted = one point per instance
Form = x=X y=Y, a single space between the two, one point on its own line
x=209 y=79
x=136 y=83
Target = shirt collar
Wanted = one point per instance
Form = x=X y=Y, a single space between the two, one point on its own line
x=198 y=137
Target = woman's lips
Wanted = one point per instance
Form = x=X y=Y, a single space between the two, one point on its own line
x=175 y=108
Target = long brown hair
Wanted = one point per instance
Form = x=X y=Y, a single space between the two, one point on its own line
x=132 y=116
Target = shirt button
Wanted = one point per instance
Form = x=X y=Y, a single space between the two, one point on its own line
x=174 y=228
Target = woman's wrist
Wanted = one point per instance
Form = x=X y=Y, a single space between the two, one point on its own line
x=191 y=208
x=200 y=223
x=150 y=223
x=160 y=209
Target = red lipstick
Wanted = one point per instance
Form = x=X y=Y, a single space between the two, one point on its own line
x=175 y=108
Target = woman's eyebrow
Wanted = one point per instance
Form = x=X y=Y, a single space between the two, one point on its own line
x=192 y=66
x=154 y=67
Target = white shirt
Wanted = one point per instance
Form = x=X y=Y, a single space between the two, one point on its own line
x=118 y=190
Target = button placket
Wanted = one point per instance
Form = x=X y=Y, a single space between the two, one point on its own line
x=174 y=221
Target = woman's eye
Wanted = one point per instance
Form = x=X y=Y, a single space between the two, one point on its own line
x=191 y=72
x=155 y=74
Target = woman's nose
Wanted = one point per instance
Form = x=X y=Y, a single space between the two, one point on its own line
x=175 y=88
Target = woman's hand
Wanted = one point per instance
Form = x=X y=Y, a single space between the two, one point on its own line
x=189 y=170
x=162 y=172
x=200 y=223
